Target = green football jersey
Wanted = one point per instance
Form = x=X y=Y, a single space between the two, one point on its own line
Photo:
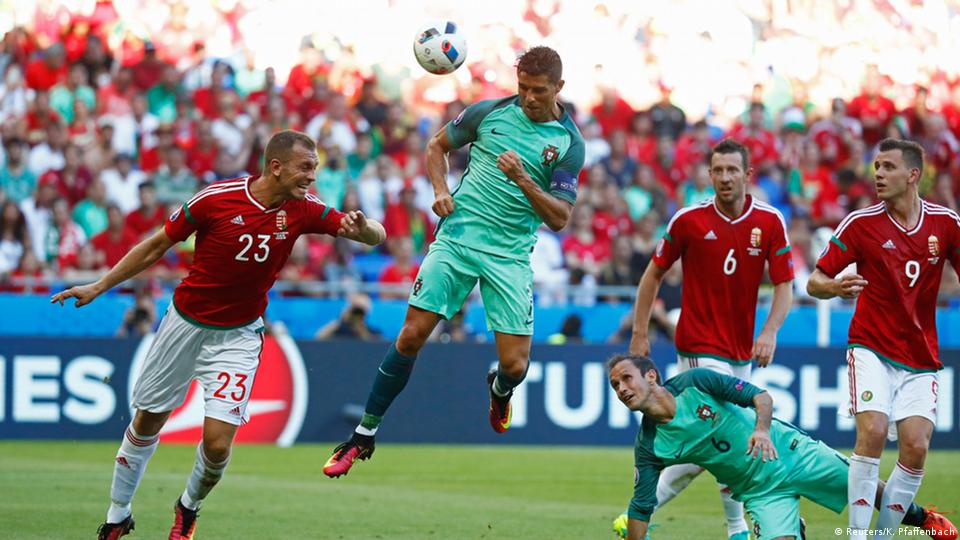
x=711 y=429
x=491 y=213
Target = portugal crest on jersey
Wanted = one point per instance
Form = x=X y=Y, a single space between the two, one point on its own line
x=282 y=220
x=705 y=412
x=550 y=154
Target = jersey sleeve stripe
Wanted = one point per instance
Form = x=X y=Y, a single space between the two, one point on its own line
x=868 y=211
x=668 y=237
x=188 y=215
x=326 y=210
x=209 y=193
x=839 y=244
x=782 y=250
x=216 y=187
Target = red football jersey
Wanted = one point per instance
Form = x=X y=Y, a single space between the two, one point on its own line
x=895 y=315
x=240 y=248
x=723 y=261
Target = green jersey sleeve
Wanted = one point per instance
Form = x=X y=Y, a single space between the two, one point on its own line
x=722 y=387
x=563 y=182
x=646 y=474
x=463 y=129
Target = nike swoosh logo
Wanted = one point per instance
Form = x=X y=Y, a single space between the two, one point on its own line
x=495 y=132
x=528 y=323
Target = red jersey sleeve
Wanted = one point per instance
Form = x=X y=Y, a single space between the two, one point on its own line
x=185 y=220
x=778 y=257
x=320 y=218
x=670 y=246
x=841 y=251
x=955 y=246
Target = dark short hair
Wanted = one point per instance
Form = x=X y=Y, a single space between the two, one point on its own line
x=282 y=142
x=541 y=60
x=643 y=363
x=730 y=146
x=911 y=151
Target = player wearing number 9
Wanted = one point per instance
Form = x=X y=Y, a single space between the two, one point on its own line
x=724 y=244
x=899 y=247
x=725 y=425
x=245 y=229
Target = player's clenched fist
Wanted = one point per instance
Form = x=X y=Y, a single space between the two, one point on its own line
x=509 y=162
x=352 y=223
x=850 y=286
x=83 y=293
x=443 y=205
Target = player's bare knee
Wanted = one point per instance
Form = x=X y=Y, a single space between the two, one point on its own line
x=148 y=424
x=411 y=339
x=514 y=365
x=217 y=450
x=913 y=451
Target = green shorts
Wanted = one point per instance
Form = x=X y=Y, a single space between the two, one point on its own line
x=450 y=271
x=820 y=475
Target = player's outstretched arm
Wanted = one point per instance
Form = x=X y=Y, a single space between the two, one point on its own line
x=355 y=226
x=824 y=287
x=141 y=257
x=646 y=295
x=555 y=212
x=766 y=343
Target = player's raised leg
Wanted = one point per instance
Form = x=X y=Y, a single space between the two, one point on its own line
x=514 y=354
x=213 y=455
x=139 y=443
x=391 y=378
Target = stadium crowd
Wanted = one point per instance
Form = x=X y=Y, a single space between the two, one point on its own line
x=105 y=132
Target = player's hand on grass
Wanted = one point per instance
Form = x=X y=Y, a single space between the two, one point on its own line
x=764 y=347
x=850 y=286
x=443 y=205
x=760 y=445
x=83 y=293
x=511 y=165
x=352 y=223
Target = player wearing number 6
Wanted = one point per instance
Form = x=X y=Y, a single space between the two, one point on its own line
x=724 y=245
x=212 y=331
x=899 y=246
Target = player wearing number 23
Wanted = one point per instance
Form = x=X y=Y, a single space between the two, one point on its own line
x=245 y=229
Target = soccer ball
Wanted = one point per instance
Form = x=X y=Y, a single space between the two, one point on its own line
x=440 y=48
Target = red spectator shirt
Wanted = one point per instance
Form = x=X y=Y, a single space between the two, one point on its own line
x=113 y=249
x=40 y=77
x=394 y=275
x=761 y=143
x=895 y=315
x=240 y=248
x=140 y=224
x=874 y=113
x=723 y=261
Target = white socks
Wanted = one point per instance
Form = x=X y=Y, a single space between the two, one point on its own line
x=204 y=476
x=862 y=482
x=131 y=462
x=674 y=479
x=733 y=510
x=901 y=488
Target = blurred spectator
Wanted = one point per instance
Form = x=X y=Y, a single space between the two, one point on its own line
x=452 y=330
x=30 y=276
x=48 y=155
x=298 y=269
x=91 y=213
x=402 y=271
x=73 y=179
x=232 y=130
x=352 y=322
x=693 y=148
x=361 y=156
x=810 y=186
x=370 y=105
x=149 y=70
x=115 y=99
x=16 y=179
x=873 y=110
x=642 y=194
x=619 y=269
x=569 y=331
x=339 y=267
x=83 y=130
x=83 y=268
x=943 y=191
x=64 y=237
x=618 y=165
x=47 y=69
x=40 y=117
x=372 y=188
x=123 y=183
x=115 y=241
x=612 y=113
x=403 y=219
x=37 y=210
x=698 y=188
x=595 y=146
x=14 y=237
x=141 y=317
x=644 y=240
x=14 y=95
x=611 y=218
x=203 y=155
x=668 y=119
x=549 y=275
x=335 y=127
x=162 y=97
x=151 y=158
x=581 y=249
x=333 y=180
x=149 y=215
x=75 y=88
x=175 y=182
x=99 y=153
x=760 y=142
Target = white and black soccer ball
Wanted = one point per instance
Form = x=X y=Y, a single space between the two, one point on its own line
x=440 y=48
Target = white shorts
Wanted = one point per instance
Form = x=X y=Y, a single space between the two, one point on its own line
x=876 y=385
x=726 y=368
x=224 y=362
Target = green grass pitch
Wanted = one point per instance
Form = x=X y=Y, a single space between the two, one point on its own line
x=60 y=490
